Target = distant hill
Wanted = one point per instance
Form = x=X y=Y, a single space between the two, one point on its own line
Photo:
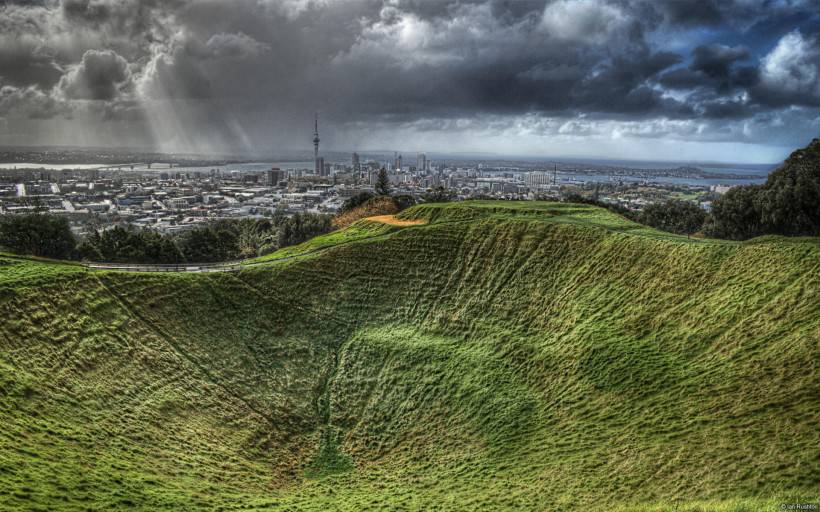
x=499 y=356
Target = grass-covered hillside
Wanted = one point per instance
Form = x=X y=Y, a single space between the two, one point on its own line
x=497 y=356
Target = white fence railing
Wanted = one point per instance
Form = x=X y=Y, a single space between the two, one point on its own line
x=234 y=266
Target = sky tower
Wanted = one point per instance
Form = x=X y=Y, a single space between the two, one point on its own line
x=319 y=163
x=316 y=136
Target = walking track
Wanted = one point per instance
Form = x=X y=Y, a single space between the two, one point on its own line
x=236 y=266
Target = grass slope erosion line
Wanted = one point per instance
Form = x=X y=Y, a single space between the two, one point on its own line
x=494 y=356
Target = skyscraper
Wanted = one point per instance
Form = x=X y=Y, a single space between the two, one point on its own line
x=421 y=162
x=357 y=166
x=274 y=176
x=398 y=163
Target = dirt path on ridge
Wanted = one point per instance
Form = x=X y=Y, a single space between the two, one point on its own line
x=393 y=221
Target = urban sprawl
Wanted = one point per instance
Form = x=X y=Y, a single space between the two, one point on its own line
x=179 y=195
x=169 y=200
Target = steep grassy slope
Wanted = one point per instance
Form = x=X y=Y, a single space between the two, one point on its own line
x=502 y=356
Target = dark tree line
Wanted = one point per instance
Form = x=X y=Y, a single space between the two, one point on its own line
x=675 y=216
x=787 y=204
x=439 y=195
x=37 y=234
x=356 y=201
x=224 y=240
x=129 y=245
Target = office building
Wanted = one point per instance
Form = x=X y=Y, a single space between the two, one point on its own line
x=274 y=176
x=421 y=162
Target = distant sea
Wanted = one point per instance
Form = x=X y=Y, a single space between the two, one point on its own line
x=747 y=173
x=56 y=167
x=743 y=179
x=245 y=167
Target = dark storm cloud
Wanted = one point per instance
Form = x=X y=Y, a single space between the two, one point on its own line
x=714 y=14
x=117 y=17
x=261 y=64
x=30 y=103
x=716 y=67
x=694 y=13
x=99 y=76
x=28 y=3
x=715 y=60
x=24 y=59
x=507 y=11
x=790 y=73
x=24 y=63
x=621 y=86
x=724 y=109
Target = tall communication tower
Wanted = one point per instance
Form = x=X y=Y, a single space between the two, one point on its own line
x=316 y=136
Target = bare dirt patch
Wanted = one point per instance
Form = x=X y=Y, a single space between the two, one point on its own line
x=393 y=221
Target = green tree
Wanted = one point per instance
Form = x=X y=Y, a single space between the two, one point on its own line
x=675 y=216
x=354 y=201
x=737 y=215
x=383 y=187
x=790 y=199
x=37 y=234
x=302 y=226
x=89 y=249
x=157 y=248
x=201 y=246
x=404 y=201
x=438 y=195
x=787 y=204
x=117 y=244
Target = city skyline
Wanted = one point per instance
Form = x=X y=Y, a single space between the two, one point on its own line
x=735 y=81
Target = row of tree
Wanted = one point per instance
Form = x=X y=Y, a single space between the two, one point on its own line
x=675 y=216
x=787 y=204
x=37 y=234
x=50 y=236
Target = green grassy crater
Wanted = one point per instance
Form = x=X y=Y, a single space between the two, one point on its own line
x=502 y=356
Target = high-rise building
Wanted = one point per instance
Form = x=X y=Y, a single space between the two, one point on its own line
x=538 y=179
x=357 y=166
x=274 y=176
x=397 y=164
x=319 y=169
x=421 y=162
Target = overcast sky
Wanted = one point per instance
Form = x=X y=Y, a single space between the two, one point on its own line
x=728 y=80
